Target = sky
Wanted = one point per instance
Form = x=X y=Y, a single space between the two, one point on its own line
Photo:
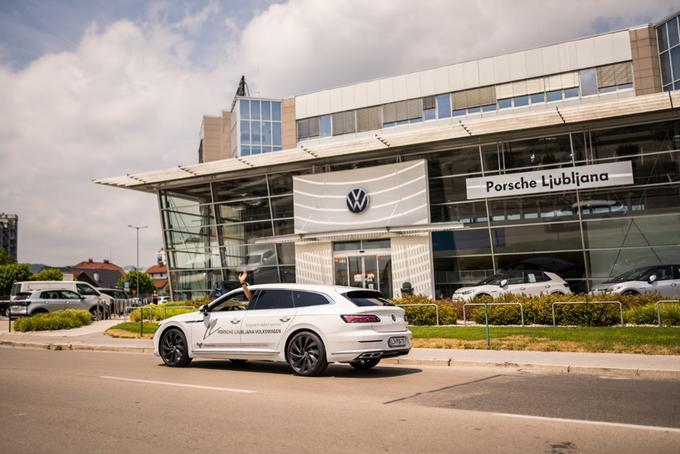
x=99 y=88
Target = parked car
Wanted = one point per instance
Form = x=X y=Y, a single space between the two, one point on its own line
x=43 y=301
x=517 y=281
x=308 y=326
x=664 y=279
x=83 y=288
x=114 y=293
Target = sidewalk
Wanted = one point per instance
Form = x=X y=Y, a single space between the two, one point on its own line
x=92 y=338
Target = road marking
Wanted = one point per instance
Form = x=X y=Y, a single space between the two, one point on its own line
x=594 y=423
x=180 y=385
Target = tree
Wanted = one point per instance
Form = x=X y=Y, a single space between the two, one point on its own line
x=49 y=274
x=5 y=258
x=146 y=285
x=11 y=273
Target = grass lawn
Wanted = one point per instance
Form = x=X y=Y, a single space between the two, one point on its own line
x=633 y=339
x=629 y=339
x=130 y=330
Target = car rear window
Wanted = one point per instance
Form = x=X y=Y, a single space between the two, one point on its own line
x=364 y=298
x=22 y=296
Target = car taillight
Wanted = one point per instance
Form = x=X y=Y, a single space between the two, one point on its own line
x=367 y=318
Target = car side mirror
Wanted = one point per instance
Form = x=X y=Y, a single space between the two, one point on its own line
x=652 y=278
x=203 y=309
x=504 y=283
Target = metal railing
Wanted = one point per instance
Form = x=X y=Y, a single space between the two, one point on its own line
x=586 y=302
x=658 y=310
x=436 y=308
x=521 y=309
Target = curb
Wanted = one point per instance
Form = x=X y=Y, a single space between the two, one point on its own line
x=654 y=374
x=82 y=347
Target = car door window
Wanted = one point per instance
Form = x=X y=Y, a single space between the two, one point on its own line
x=273 y=299
x=663 y=273
x=515 y=277
x=230 y=302
x=69 y=295
x=85 y=289
x=306 y=299
x=51 y=295
x=530 y=278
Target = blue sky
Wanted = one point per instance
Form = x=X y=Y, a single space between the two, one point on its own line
x=93 y=89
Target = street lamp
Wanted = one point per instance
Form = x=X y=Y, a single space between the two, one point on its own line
x=141 y=318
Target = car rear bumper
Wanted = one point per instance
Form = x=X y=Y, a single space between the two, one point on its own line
x=370 y=344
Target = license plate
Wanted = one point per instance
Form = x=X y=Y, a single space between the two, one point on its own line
x=396 y=342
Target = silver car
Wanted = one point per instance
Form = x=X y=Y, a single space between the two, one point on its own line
x=43 y=301
x=664 y=279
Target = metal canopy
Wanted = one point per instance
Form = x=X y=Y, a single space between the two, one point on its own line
x=450 y=129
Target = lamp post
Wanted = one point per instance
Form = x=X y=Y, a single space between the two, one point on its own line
x=141 y=308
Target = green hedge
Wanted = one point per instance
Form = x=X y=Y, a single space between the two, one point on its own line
x=538 y=310
x=646 y=315
x=158 y=312
x=69 y=318
x=426 y=315
x=639 y=309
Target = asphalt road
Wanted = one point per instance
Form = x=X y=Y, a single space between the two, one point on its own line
x=71 y=401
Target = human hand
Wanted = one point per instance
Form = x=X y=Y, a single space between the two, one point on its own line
x=242 y=277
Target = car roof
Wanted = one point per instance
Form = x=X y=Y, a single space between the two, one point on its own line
x=311 y=287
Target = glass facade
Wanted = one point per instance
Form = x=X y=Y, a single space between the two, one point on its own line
x=259 y=126
x=668 y=35
x=584 y=236
x=211 y=231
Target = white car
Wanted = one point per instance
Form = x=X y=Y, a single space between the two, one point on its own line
x=532 y=283
x=308 y=326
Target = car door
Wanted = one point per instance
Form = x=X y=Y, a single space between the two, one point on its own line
x=535 y=283
x=53 y=300
x=515 y=282
x=267 y=321
x=663 y=283
x=218 y=334
x=72 y=300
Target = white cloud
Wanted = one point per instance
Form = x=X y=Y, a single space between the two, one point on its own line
x=193 y=22
x=126 y=100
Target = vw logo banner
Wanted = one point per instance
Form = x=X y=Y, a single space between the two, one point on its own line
x=357 y=200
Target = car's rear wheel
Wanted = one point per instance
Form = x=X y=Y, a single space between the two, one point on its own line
x=173 y=348
x=98 y=312
x=364 y=364
x=306 y=354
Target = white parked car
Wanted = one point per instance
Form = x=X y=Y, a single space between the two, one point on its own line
x=664 y=279
x=532 y=283
x=308 y=326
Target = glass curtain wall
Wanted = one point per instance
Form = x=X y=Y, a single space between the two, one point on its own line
x=211 y=231
x=584 y=236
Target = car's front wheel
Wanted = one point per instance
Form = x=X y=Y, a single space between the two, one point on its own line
x=306 y=354
x=173 y=348
x=364 y=364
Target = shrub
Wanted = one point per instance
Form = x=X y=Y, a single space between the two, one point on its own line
x=426 y=315
x=160 y=312
x=69 y=318
x=538 y=310
x=646 y=315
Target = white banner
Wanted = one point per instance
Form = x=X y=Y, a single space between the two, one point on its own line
x=562 y=179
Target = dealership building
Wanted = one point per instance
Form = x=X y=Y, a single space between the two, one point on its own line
x=563 y=158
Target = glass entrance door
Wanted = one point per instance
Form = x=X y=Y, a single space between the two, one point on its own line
x=373 y=272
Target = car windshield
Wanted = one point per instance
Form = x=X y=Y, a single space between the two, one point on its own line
x=363 y=298
x=636 y=274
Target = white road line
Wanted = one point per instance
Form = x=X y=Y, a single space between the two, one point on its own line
x=593 y=423
x=180 y=385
